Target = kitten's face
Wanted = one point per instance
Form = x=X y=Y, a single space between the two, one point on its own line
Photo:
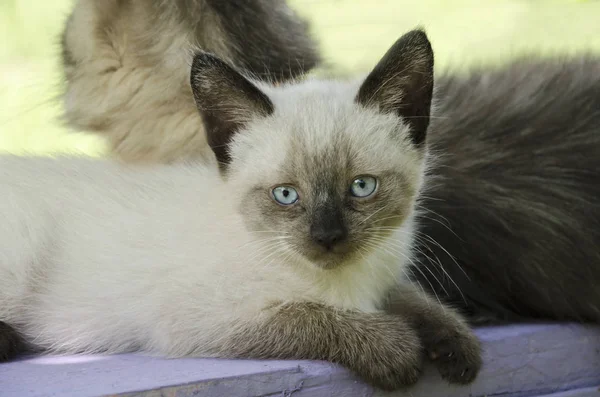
x=325 y=170
x=329 y=175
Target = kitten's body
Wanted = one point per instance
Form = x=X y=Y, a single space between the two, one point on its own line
x=511 y=209
x=127 y=66
x=189 y=259
x=513 y=146
x=515 y=194
x=97 y=271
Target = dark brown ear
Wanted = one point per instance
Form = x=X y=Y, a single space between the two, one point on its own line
x=226 y=101
x=402 y=83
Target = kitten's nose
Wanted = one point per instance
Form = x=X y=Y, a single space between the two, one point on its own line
x=329 y=237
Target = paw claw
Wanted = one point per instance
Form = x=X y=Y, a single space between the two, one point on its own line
x=457 y=357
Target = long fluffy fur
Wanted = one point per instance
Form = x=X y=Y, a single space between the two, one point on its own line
x=127 y=65
x=510 y=219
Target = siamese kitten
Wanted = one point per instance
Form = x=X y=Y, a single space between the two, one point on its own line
x=289 y=250
x=509 y=224
x=127 y=65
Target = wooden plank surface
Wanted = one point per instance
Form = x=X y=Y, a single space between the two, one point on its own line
x=586 y=392
x=520 y=361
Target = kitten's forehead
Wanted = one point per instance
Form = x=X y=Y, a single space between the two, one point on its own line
x=320 y=120
x=318 y=132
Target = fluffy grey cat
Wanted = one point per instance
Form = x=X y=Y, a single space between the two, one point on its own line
x=288 y=250
x=127 y=66
x=510 y=225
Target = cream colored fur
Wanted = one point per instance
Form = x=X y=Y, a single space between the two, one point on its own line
x=131 y=84
x=127 y=68
x=97 y=256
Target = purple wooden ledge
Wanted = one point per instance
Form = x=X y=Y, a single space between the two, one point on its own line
x=520 y=361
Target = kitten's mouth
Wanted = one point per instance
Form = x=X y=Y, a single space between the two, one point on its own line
x=332 y=257
x=329 y=259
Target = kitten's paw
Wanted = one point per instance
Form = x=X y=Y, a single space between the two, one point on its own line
x=395 y=376
x=456 y=352
x=10 y=342
x=395 y=361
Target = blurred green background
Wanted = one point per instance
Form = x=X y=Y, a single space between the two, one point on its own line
x=352 y=33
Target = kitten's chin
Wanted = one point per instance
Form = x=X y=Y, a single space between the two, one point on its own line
x=341 y=255
x=330 y=261
x=327 y=264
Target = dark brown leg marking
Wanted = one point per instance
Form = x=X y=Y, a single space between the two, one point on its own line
x=446 y=337
x=382 y=349
x=11 y=343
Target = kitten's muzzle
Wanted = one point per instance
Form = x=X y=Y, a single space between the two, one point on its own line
x=328 y=236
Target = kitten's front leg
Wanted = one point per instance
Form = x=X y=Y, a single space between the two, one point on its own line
x=446 y=337
x=382 y=349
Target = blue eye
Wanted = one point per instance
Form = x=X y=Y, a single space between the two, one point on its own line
x=285 y=195
x=363 y=186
